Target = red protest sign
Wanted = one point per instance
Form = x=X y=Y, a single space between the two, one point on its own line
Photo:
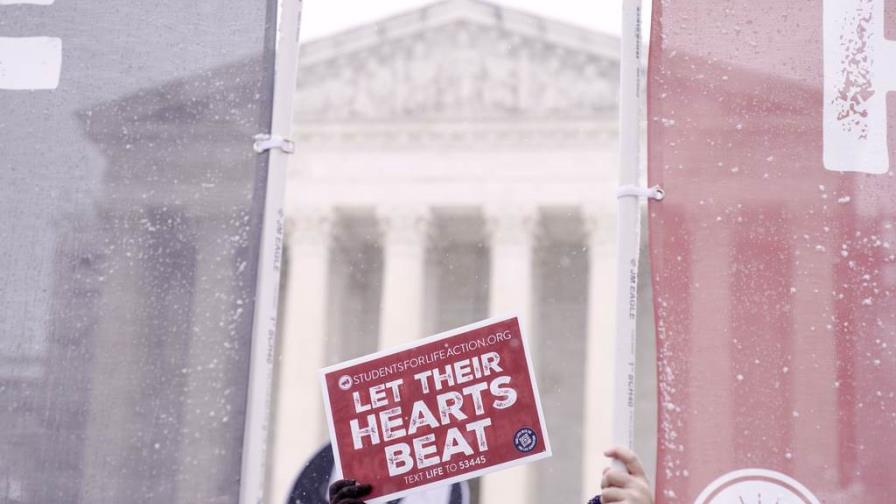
x=443 y=409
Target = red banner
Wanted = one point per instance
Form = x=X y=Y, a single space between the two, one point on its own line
x=444 y=409
x=773 y=252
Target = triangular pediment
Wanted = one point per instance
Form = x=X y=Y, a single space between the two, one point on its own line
x=458 y=60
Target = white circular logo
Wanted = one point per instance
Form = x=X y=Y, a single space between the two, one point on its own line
x=756 y=486
x=345 y=382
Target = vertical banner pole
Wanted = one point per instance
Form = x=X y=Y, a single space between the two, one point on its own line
x=264 y=324
x=628 y=227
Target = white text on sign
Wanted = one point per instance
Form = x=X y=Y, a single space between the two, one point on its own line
x=387 y=425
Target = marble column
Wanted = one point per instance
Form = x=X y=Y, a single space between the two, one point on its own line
x=511 y=232
x=598 y=422
x=211 y=435
x=112 y=416
x=816 y=409
x=404 y=251
x=704 y=432
x=298 y=428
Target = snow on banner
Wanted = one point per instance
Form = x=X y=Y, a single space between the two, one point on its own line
x=443 y=409
x=774 y=252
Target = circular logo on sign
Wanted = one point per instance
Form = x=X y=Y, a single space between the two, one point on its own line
x=756 y=486
x=345 y=382
x=525 y=439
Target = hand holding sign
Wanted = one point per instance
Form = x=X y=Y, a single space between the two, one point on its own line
x=348 y=492
x=448 y=408
x=627 y=485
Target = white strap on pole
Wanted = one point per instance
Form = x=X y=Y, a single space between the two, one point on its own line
x=630 y=191
x=265 y=142
x=628 y=228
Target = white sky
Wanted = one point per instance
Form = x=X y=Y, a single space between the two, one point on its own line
x=323 y=17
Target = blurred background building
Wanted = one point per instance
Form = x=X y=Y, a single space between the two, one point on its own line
x=455 y=162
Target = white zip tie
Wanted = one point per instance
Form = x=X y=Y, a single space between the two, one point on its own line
x=655 y=193
x=265 y=142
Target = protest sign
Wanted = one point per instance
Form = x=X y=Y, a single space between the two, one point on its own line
x=447 y=408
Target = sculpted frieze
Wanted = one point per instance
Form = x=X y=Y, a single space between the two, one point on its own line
x=458 y=71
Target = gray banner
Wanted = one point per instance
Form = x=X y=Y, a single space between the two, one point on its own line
x=130 y=211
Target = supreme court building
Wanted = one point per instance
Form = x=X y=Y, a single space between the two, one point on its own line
x=456 y=162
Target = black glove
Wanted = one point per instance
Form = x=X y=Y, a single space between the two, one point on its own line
x=348 y=492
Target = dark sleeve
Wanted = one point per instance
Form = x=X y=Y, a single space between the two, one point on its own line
x=457 y=494
x=311 y=485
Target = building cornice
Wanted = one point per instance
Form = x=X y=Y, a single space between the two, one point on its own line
x=449 y=11
x=592 y=134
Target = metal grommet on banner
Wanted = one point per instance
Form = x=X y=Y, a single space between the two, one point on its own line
x=265 y=142
x=655 y=193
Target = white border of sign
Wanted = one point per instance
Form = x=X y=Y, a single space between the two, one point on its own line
x=414 y=344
